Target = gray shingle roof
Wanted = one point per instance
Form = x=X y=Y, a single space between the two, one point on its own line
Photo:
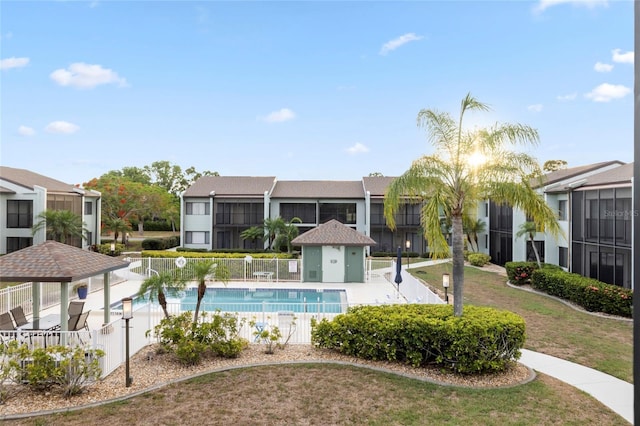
x=52 y=261
x=318 y=189
x=377 y=185
x=230 y=186
x=333 y=233
x=563 y=174
x=29 y=179
x=619 y=175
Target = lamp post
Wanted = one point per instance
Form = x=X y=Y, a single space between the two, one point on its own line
x=113 y=249
x=127 y=314
x=407 y=245
x=445 y=284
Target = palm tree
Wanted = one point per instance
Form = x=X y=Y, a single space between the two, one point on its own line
x=288 y=232
x=273 y=227
x=529 y=229
x=117 y=225
x=201 y=271
x=156 y=285
x=471 y=229
x=60 y=225
x=468 y=166
x=254 y=233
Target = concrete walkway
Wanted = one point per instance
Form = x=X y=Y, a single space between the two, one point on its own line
x=612 y=392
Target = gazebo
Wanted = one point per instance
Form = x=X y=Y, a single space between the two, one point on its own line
x=54 y=262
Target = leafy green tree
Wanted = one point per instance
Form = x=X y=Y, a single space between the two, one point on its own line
x=287 y=233
x=171 y=177
x=60 y=225
x=156 y=286
x=201 y=271
x=529 y=229
x=553 y=165
x=467 y=167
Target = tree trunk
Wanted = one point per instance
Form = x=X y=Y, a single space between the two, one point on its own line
x=535 y=250
x=162 y=301
x=202 y=289
x=458 y=264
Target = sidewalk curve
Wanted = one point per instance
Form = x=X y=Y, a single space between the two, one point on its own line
x=611 y=391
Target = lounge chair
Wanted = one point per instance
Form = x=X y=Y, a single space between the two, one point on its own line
x=18 y=316
x=7 y=325
x=75 y=308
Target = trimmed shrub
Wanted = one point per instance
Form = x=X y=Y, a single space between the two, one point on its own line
x=591 y=294
x=483 y=340
x=520 y=273
x=478 y=259
x=160 y=243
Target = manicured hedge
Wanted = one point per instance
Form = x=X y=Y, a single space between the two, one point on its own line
x=217 y=255
x=591 y=294
x=519 y=273
x=160 y=243
x=482 y=340
x=478 y=259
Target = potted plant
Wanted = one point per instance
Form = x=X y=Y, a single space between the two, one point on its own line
x=81 y=288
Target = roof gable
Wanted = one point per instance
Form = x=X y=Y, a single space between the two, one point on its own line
x=318 y=189
x=231 y=186
x=29 y=179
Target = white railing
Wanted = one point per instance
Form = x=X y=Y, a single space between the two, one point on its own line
x=22 y=294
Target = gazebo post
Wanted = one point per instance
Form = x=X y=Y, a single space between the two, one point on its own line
x=64 y=311
x=106 y=291
x=35 y=302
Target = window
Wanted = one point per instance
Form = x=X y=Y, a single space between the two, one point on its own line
x=198 y=208
x=563 y=256
x=562 y=210
x=305 y=211
x=88 y=207
x=19 y=213
x=17 y=243
x=89 y=237
x=196 y=237
x=342 y=212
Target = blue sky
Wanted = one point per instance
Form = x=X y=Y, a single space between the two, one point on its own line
x=303 y=90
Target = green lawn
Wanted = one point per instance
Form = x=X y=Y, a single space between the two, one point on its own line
x=553 y=328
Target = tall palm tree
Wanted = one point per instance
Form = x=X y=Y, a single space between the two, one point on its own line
x=201 y=271
x=59 y=225
x=529 y=229
x=467 y=167
x=472 y=227
x=287 y=233
x=157 y=285
x=272 y=228
x=117 y=225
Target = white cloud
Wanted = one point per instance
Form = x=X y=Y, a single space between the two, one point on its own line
x=7 y=36
x=358 y=148
x=622 y=58
x=545 y=4
x=397 y=42
x=601 y=67
x=9 y=63
x=63 y=127
x=607 y=92
x=86 y=76
x=26 y=131
x=565 y=98
x=282 y=115
x=535 y=107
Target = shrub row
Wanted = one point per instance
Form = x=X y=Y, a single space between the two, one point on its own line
x=161 y=243
x=213 y=335
x=520 y=273
x=591 y=294
x=404 y=254
x=483 y=340
x=214 y=254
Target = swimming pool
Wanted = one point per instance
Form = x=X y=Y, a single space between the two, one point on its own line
x=259 y=300
x=266 y=299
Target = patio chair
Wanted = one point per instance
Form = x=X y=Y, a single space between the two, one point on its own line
x=6 y=324
x=75 y=308
x=18 y=316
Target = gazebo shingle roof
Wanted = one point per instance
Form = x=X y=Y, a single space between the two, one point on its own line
x=333 y=233
x=52 y=261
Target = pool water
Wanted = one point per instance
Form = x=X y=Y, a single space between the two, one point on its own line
x=266 y=299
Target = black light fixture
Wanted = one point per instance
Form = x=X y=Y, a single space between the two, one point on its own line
x=127 y=314
x=445 y=284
